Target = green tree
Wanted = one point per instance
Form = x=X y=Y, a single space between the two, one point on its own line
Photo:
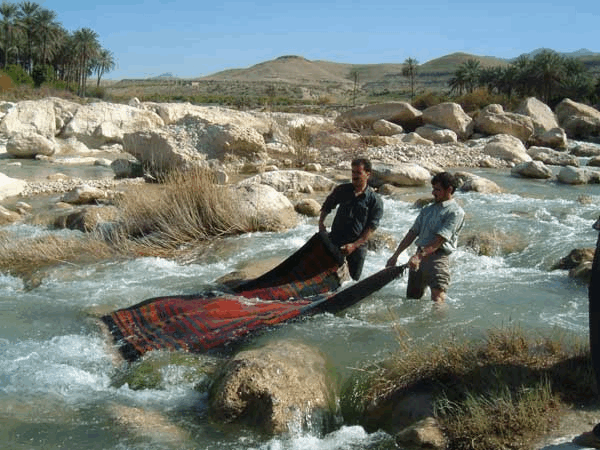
x=86 y=49
x=9 y=15
x=48 y=35
x=410 y=70
x=103 y=63
x=27 y=17
x=549 y=71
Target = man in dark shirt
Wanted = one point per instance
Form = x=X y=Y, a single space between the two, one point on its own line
x=358 y=215
x=592 y=438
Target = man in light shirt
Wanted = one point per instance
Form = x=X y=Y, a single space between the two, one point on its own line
x=435 y=231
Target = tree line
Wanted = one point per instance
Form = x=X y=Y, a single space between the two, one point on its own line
x=548 y=76
x=34 y=44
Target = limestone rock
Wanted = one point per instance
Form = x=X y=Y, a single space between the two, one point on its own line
x=508 y=148
x=425 y=434
x=7 y=216
x=99 y=123
x=400 y=174
x=574 y=175
x=554 y=138
x=87 y=219
x=30 y=145
x=384 y=128
x=277 y=388
x=10 y=187
x=363 y=117
x=269 y=207
x=532 y=169
x=308 y=207
x=415 y=139
x=541 y=115
x=83 y=194
x=492 y=120
x=437 y=135
x=451 y=116
x=577 y=119
x=295 y=180
x=470 y=182
x=552 y=157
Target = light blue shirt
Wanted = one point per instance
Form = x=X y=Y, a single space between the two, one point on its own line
x=444 y=219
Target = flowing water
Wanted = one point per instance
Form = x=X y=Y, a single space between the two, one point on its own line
x=57 y=373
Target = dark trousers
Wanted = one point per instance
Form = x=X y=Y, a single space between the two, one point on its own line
x=594 y=312
x=356 y=261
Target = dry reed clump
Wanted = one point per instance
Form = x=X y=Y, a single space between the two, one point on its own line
x=187 y=207
x=506 y=391
x=24 y=257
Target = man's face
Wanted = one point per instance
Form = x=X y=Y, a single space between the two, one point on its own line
x=359 y=177
x=440 y=194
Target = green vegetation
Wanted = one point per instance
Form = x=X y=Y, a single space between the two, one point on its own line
x=547 y=76
x=503 y=392
x=33 y=40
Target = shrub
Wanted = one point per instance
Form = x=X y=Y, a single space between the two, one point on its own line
x=479 y=98
x=18 y=75
x=42 y=74
x=427 y=99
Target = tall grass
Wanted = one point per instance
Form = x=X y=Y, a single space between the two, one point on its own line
x=186 y=207
x=503 y=392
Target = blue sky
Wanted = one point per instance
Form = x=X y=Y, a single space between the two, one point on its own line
x=199 y=37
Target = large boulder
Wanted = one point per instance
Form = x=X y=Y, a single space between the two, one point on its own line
x=100 y=123
x=493 y=120
x=383 y=127
x=508 y=148
x=178 y=113
x=578 y=120
x=363 y=117
x=552 y=157
x=291 y=180
x=30 y=117
x=164 y=150
x=272 y=209
x=278 y=388
x=575 y=175
x=400 y=174
x=437 y=135
x=554 y=138
x=451 y=116
x=541 y=115
x=29 y=144
x=469 y=182
x=532 y=169
x=10 y=187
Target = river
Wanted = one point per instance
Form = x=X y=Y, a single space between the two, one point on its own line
x=57 y=375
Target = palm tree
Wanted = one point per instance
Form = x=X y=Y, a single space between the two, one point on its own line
x=410 y=69
x=458 y=82
x=48 y=34
x=472 y=70
x=104 y=62
x=86 y=48
x=548 y=71
x=9 y=14
x=27 y=16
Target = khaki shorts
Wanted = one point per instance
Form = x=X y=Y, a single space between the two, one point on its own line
x=434 y=272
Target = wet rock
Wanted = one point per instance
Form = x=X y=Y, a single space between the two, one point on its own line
x=278 y=388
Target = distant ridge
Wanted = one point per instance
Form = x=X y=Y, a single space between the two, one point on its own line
x=297 y=70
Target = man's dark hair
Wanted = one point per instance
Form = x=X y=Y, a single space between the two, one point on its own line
x=362 y=162
x=446 y=180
